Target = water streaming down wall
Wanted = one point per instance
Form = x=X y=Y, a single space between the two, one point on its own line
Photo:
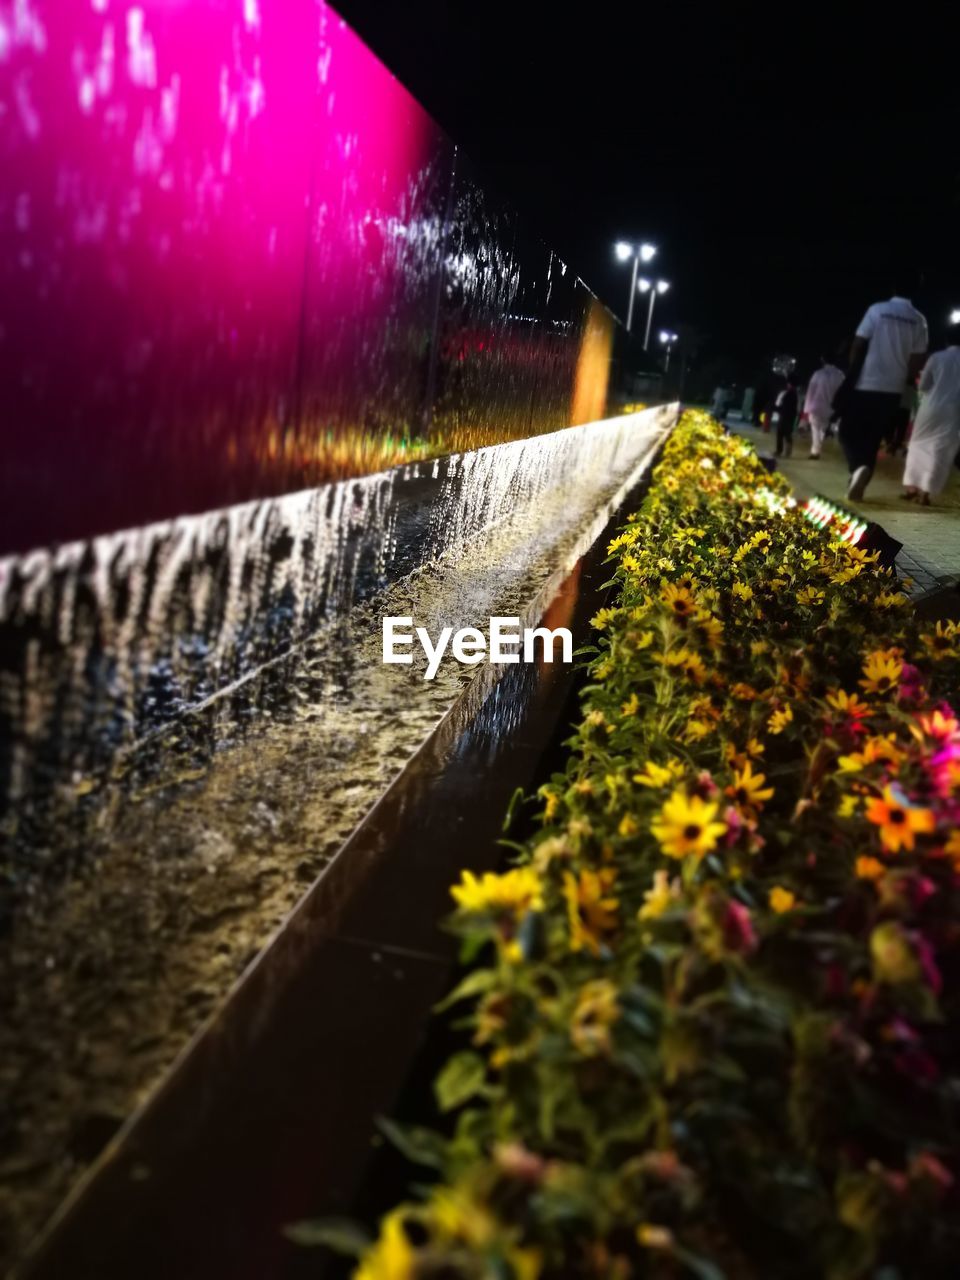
x=107 y=640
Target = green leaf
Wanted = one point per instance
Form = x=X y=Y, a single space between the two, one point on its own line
x=477 y=983
x=419 y=1145
x=339 y=1234
x=460 y=1080
x=516 y=800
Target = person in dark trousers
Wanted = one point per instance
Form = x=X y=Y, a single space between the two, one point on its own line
x=785 y=415
x=887 y=353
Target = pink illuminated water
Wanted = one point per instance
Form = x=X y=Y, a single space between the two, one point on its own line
x=226 y=231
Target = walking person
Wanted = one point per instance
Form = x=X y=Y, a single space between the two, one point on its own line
x=818 y=402
x=785 y=415
x=887 y=352
x=908 y=407
x=936 y=428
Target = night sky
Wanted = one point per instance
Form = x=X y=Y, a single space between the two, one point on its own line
x=786 y=159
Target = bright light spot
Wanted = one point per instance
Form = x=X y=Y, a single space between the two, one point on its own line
x=624 y=251
x=87 y=94
x=647 y=252
x=662 y=286
x=955 y=317
x=643 y=285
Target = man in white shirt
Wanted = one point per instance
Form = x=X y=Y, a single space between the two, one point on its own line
x=887 y=352
x=818 y=402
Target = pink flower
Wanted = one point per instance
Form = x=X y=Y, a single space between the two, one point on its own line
x=705 y=785
x=738 y=931
x=925 y=1165
x=928 y=964
x=911 y=683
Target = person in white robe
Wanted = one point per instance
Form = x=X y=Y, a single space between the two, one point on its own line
x=818 y=402
x=936 y=429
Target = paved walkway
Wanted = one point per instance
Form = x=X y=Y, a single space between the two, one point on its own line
x=931 y=535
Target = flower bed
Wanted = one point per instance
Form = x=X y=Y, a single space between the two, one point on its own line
x=713 y=1006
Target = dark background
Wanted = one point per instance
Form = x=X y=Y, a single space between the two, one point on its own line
x=788 y=160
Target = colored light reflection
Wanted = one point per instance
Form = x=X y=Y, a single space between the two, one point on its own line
x=842 y=524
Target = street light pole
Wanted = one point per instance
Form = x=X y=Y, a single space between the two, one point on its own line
x=639 y=253
x=668 y=339
x=633 y=290
x=660 y=287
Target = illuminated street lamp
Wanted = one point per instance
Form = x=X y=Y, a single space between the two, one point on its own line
x=667 y=338
x=955 y=316
x=639 y=253
x=648 y=286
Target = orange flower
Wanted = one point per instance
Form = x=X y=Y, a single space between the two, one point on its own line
x=849 y=704
x=870 y=868
x=898 y=821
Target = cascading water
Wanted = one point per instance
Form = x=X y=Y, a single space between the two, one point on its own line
x=194 y=716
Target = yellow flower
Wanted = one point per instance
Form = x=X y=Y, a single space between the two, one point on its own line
x=687 y=824
x=848 y=806
x=551 y=802
x=781 y=900
x=631 y=706
x=849 y=704
x=758 y=648
x=952 y=848
x=455 y=1215
x=654 y=1237
x=810 y=595
x=780 y=719
x=743 y=692
x=742 y=591
x=596 y=1011
x=874 y=749
x=899 y=823
x=882 y=670
x=514 y=893
x=658 y=775
x=890 y=600
x=691 y=664
x=747 y=789
x=392 y=1257
x=697 y=730
x=591 y=910
x=639 y=640
x=942 y=641
x=602 y=618
x=660 y=897
x=679 y=600
x=708 y=629
x=628 y=826
x=547 y=851
x=870 y=868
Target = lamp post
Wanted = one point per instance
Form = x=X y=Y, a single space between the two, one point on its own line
x=648 y=286
x=639 y=253
x=668 y=339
